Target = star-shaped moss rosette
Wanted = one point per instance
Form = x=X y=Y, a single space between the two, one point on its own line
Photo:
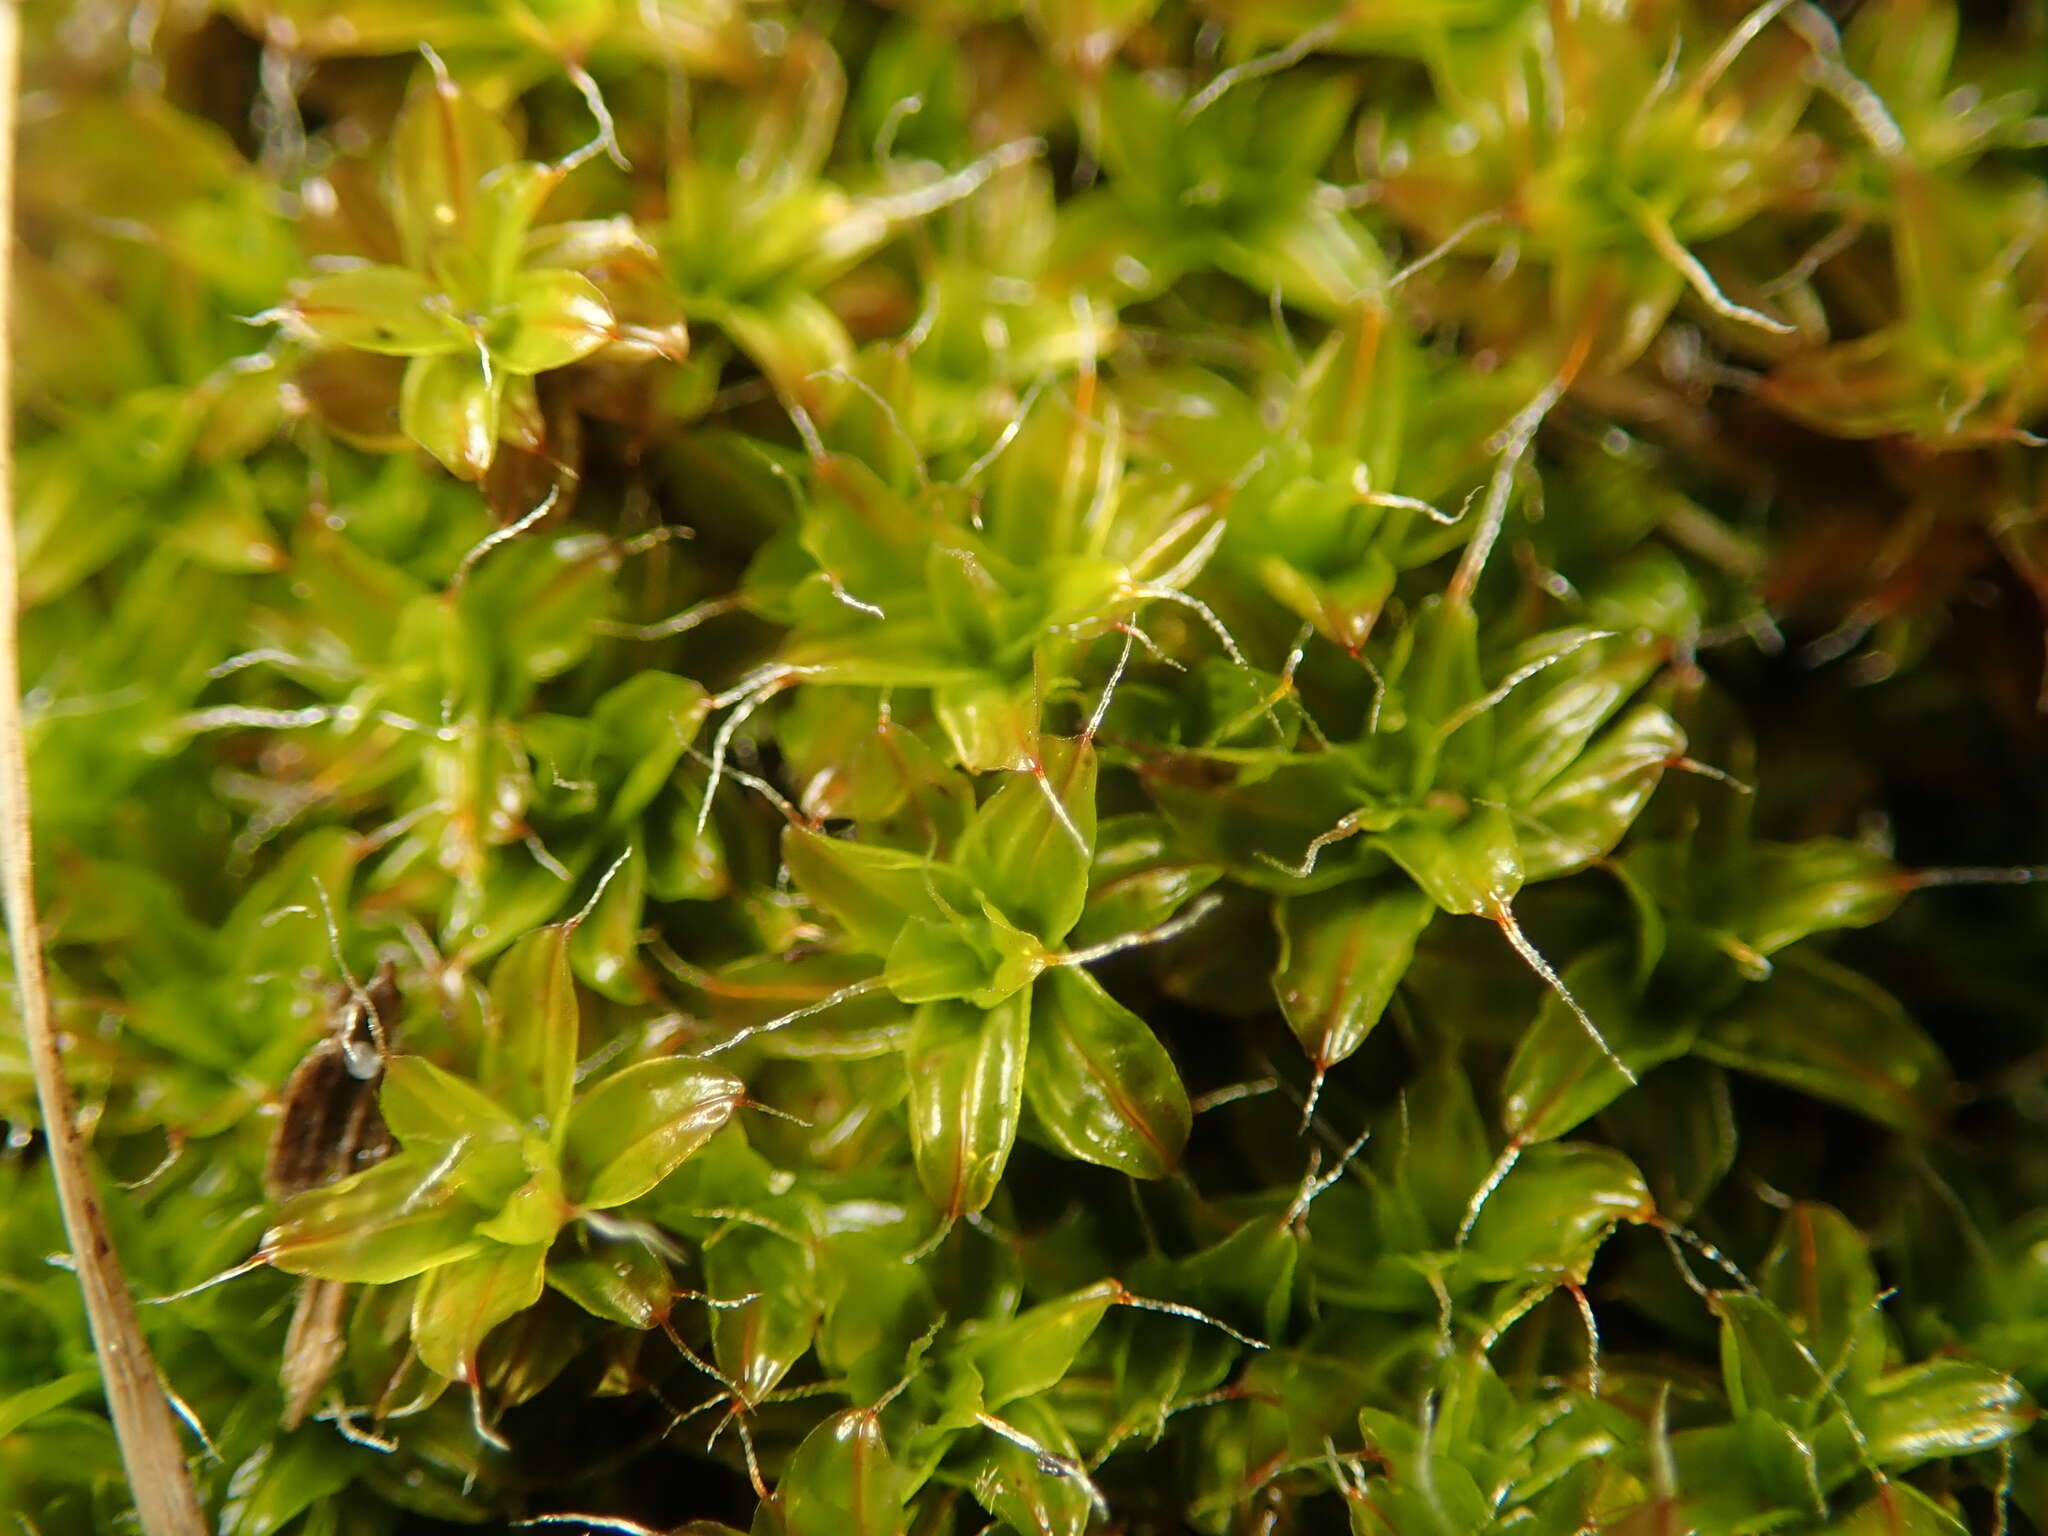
x=404 y=671
x=1717 y=970
x=984 y=597
x=1633 y=144
x=1003 y=1017
x=482 y=302
x=491 y=1173
x=1951 y=362
x=1958 y=368
x=1461 y=793
x=1231 y=176
x=759 y=229
x=1374 y=473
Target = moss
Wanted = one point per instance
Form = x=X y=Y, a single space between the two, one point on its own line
x=1120 y=765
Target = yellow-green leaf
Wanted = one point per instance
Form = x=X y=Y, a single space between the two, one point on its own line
x=530 y=1055
x=1031 y=1352
x=557 y=318
x=448 y=404
x=1099 y=1082
x=392 y=310
x=1028 y=849
x=398 y=1219
x=426 y=1106
x=966 y=1072
x=841 y=1481
x=444 y=143
x=1342 y=952
x=638 y=1126
x=457 y=1304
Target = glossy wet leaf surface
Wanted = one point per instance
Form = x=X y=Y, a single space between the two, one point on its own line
x=638 y=1126
x=966 y=1070
x=1099 y=1082
x=1113 y=767
x=1341 y=956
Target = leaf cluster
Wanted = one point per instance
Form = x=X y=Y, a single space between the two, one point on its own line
x=1050 y=714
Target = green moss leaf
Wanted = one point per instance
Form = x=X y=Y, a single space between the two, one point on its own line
x=1034 y=1492
x=1468 y=865
x=391 y=310
x=1582 y=813
x=530 y=1054
x=279 y=1481
x=557 y=318
x=458 y=1303
x=1941 y=1408
x=430 y=1108
x=1560 y=1076
x=1031 y=1352
x=398 y=1219
x=841 y=1481
x=1141 y=877
x=638 y=1126
x=1029 y=847
x=445 y=142
x=756 y=1344
x=966 y=1069
x=622 y=1281
x=872 y=892
x=1099 y=1083
x=1342 y=953
x=1824 y=1030
x=1554 y=1210
x=449 y=405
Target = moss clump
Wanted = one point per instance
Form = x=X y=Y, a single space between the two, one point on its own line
x=1105 y=765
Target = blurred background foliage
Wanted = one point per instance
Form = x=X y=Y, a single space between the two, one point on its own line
x=1125 y=763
